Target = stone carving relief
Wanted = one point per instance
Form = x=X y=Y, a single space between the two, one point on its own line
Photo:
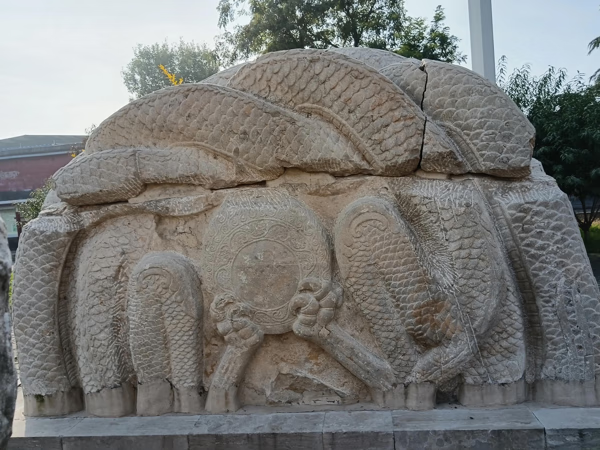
x=315 y=227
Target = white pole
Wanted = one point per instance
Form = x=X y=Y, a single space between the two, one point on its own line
x=482 y=38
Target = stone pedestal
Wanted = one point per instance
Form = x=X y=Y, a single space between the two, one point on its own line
x=521 y=427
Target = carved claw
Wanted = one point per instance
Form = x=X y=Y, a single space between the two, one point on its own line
x=315 y=305
x=233 y=324
x=242 y=337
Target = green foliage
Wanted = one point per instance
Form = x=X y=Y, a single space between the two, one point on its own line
x=367 y=23
x=565 y=114
x=527 y=90
x=594 y=44
x=274 y=25
x=435 y=42
x=190 y=61
x=592 y=243
x=287 y=24
x=32 y=207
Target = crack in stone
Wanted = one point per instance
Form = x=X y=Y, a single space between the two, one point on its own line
x=422 y=67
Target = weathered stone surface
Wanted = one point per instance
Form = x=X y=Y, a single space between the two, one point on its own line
x=8 y=376
x=499 y=144
x=376 y=58
x=483 y=121
x=164 y=308
x=358 y=430
x=259 y=431
x=515 y=428
x=449 y=428
x=36 y=443
x=42 y=434
x=314 y=228
x=570 y=429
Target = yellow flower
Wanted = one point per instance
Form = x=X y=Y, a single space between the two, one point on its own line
x=170 y=76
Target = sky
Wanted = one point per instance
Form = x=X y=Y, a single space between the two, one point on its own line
x=61 y=60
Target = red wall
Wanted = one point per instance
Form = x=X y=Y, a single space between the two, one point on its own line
x=24 y=174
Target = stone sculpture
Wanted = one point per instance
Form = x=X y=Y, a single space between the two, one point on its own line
x=314 y=227
x=8 y=376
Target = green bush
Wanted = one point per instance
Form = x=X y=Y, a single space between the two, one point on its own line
x=593 y=243
x=31 y=207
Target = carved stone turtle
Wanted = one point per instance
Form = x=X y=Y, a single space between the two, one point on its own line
x=312 y=227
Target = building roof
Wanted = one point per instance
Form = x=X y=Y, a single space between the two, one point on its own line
x=36 y=140
x=34 y=145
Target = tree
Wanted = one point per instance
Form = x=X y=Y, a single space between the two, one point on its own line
x=287 y=24
x=368 y=23
x=417 y=41
x=565 y=114
x=274 y=25
x=190 y=61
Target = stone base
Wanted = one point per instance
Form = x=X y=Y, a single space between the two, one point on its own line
x=493 y=394
x=115 y=402
x=563 y=393
x=415 y=396
x=58 y=404
x=518 y=427
x=155 y=399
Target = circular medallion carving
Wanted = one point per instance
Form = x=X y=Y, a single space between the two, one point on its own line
x=259 y=246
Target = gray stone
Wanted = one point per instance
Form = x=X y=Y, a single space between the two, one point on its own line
x=57 y=404
x=493 y=394
x=41 y=433
x=363 y=430
x=515 y=428
x=111 y=402
x=564 y=393
x=35 y=443
x=259 y=432
x=41 y=427
x=126 y=443
x=133 y=426
x=447 y=428
x=570 y=428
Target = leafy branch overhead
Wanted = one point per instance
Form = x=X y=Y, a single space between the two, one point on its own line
x=282 y=25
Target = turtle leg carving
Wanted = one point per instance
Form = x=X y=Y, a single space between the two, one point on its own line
x=165 y=327
x=48 y=387
x=432 y=301
x=242 y=337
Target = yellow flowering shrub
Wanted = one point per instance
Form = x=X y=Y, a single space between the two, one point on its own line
x=171 y=76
